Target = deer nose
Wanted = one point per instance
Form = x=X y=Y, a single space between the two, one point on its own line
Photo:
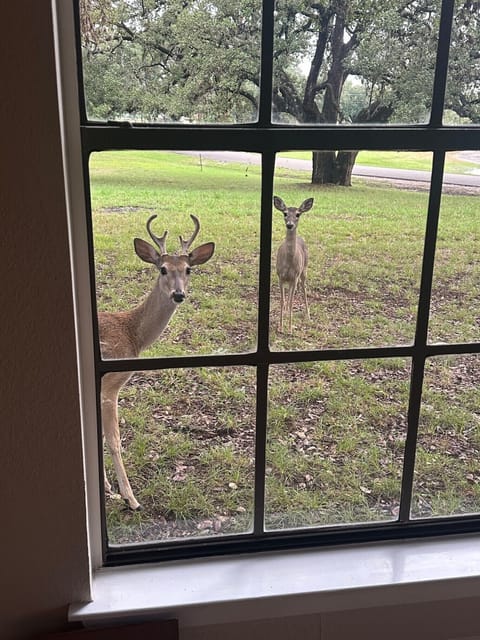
x=290 y=225
x=178 y=296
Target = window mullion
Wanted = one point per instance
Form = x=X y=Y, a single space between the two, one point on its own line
x=268 y=168
x=441 y=67
x=260 y=449
x=266 y=69
x=421 y=335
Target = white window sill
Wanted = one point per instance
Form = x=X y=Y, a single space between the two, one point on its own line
x=267 y=585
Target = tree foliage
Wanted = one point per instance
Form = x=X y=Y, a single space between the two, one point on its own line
x=463 y=88
x=166 y=60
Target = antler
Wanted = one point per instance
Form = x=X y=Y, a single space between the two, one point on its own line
x=160 y=242
x=185 y=244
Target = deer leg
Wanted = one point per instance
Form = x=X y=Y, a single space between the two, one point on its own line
x=106 y=483
x=303 y=279
x=291 y=293
x=282 y=304
x=112 y=437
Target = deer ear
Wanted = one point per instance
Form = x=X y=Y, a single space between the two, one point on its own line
x=202 y=253
x=306 y=205
x=146 y=252
x=279 y=204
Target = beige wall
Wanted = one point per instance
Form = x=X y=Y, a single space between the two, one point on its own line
x=42 y=522
x=42 y=530
x=426 y=621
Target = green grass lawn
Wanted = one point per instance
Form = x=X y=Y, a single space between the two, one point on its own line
x=336 y=430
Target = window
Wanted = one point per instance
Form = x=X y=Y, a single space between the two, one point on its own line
x=356 y=417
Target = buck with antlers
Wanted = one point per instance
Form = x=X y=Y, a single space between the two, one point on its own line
x=292 y=259
x=125 y=334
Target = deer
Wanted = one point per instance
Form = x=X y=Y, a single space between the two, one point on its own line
x=125 y=334
x=292 y=260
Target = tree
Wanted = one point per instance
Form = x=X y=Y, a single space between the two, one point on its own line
x=463 y=88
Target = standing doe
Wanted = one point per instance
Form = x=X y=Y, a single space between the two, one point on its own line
x=125 y=334
x=292 y=259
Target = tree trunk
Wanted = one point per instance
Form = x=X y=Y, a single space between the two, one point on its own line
x=345 y=164
x=333 y=167
x=323 y=167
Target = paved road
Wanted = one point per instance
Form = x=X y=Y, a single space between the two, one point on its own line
x=470 y=180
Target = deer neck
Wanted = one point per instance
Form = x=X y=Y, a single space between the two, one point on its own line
x=150 y=318
x=291 y=241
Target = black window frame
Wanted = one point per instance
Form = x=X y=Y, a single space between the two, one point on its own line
x=266 y=138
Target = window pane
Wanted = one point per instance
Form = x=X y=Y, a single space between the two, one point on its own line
x=188 y=448
x=341 y=62
x=447 y=472
x=364 y=246
x=171 y=61
x=463 y=87
x=455 y=305
x=219 y=313
x=336 y=433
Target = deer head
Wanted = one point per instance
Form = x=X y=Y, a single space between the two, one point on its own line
x=292 y=214
x=174 y=268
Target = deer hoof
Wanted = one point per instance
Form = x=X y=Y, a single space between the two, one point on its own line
x=132 y=505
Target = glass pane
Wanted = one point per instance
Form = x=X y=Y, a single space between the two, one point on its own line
x=455 y=304
x=335 y=442
x=188 y=447
x=341 y=62
x=171 y=61
x=463 y=87
x=364 y=247
x=219 y=313
x=447 y=471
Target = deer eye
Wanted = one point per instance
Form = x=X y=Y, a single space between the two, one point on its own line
x=163 y=271
x=298 y=215
x=188 y=271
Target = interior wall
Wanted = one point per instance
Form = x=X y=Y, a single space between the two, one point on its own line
x=43 y=533
x=451 y=620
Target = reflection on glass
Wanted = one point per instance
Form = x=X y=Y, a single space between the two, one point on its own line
x=463 y=84
x=335 y=442
x=455 y=305
x=447 y=469
x=219 y=311
x=364 y=248
x=188 y=449
x=337 y=62
x=183 y=62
